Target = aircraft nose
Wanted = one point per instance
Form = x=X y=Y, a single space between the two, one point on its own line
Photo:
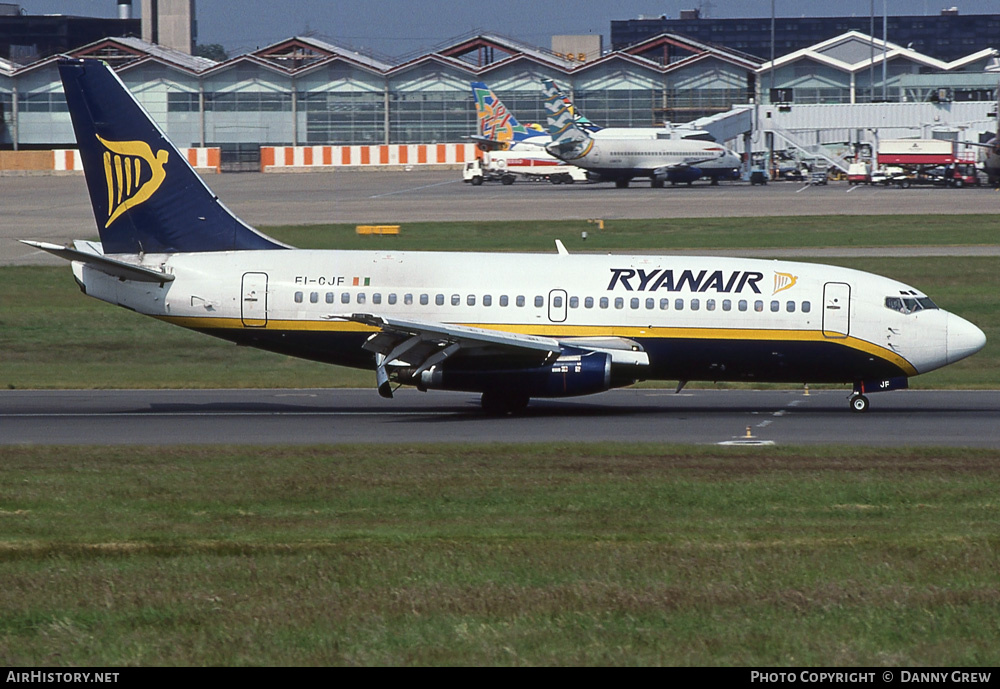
x=964 y=338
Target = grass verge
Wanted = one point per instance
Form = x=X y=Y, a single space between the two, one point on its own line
x=474 y=555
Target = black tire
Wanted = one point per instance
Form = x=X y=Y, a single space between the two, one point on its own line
x=621 y=183
x=502 y=403
x=477 y=180
x=859 y=404
x=507 y=180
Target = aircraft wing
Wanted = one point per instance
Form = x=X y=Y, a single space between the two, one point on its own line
x=419 y=345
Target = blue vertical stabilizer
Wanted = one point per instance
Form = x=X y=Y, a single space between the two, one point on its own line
x=146 y=197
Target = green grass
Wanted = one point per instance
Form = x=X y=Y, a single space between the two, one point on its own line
x=473 y=555
x=661 y=235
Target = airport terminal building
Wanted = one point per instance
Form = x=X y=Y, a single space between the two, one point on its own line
x=302 y=91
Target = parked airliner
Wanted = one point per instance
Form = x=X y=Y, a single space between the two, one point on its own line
x=508 y=326
x=499 y=128
x=623 y=159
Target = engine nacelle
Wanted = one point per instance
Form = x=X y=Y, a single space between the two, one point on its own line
x=683 y=174
x=573 y=373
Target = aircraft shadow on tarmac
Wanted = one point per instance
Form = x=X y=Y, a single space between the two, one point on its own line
x=549 y=409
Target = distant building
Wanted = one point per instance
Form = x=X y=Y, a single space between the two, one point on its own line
x=948 y=36
x=26 y=38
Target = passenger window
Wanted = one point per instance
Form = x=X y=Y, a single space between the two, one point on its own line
x=633 y=303
x=471 y=300
x=806 y=307
x=539 y=301
x=520 y=300
x=298 y=297
x=604 y=302
x=710 y=305
x=407 y=299
x=487 y=300
x=345 y=297
x=650 y=304
x=424 y=300
x=727 y=305
x=392 y=297
x=790 y=307
x=758 y=306
x=455 y=300
x=361 y=297
x=775 y=306
x=314 y=297
x=664 y=304
x=678 y=304
x=695 y=304
x=743 y=305
x=329 y=297
x=588 y=303
x=619 y=303
x=376 y=298
x=503 y=300
x=439 y=299
x=557 y=302
x=574 y=302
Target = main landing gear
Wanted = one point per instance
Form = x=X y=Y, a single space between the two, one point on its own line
x=502 y=403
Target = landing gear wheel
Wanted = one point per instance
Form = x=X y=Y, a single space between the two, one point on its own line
x=621 y=183
x=503 y=403
x=859 y=404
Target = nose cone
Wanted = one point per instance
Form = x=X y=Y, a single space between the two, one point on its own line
x=964 y=339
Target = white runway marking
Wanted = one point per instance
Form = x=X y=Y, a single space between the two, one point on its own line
x=406 y=191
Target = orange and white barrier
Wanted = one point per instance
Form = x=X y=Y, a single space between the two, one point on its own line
x=202 y=159
x=288 y=158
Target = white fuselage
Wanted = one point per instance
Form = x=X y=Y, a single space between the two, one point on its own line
x=699 y=318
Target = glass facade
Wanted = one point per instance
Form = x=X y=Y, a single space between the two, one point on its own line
x=431 y=117
x=338 y=117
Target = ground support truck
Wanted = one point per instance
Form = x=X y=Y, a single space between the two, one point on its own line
x=507 y=167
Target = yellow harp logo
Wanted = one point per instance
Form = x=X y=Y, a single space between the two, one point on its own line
x=783 y=281
x=129 y=181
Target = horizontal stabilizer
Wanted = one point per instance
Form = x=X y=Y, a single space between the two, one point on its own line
x=118 y=269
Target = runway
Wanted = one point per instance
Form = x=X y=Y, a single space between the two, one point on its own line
x=909 y=418
x=57 y=209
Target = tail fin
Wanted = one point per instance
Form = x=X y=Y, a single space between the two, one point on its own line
x=567 y=137
x=496 y=122
x=146 y=197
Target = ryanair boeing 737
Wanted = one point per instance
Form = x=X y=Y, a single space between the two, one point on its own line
x=508 y=326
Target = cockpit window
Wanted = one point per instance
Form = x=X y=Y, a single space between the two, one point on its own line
x=909 y=304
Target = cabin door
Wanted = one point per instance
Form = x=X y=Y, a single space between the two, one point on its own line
x=254 y=310
x=836 y=310
x=557 y=306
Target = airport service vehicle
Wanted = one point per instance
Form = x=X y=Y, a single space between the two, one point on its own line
x=508 y=167
x=623 y=159
x=859 y=173
x=934 y=162
x=508 y=326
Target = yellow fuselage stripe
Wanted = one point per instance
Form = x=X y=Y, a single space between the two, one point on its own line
x=663 y=333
